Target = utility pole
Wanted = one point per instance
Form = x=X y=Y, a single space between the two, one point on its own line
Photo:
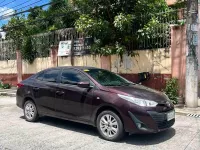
x=191 y=94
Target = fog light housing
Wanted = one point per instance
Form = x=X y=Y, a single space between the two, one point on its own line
x=139 y=125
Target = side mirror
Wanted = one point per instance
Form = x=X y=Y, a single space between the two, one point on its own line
x=84 y=84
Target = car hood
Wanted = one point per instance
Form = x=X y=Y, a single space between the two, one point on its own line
x=140 y=91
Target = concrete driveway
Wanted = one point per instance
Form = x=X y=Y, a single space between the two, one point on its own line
x=49 y=133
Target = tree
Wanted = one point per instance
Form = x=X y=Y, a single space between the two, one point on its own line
x=111 y=22
x=16 y=29
x=35 y=21
x=21 y=29
x=61 y=14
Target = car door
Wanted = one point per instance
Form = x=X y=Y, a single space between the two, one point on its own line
x=45 y=90
x=73 y=101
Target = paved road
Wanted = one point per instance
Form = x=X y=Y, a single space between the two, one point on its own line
x=49 y=134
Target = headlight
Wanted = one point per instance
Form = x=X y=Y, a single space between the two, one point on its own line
x=167 y=97
x=138 y=101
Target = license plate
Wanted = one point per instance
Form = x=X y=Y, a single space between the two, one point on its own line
x=170 y=115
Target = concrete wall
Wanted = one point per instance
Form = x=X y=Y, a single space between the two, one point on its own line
x=88 y=60
x=157 y=62
x=153 y=61
x=162 y=64
x=171 y=2
x=38 y=65
x=179 y=56
x=9 y=66
x=8 y=71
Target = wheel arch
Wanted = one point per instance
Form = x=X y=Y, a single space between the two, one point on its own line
x=104 y=108
x=26 y=99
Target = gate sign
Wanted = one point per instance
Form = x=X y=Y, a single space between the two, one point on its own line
x=79 y=46
x=64 y=48
x=82 y=46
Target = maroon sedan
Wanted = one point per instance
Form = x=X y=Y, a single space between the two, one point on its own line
x=96 y=97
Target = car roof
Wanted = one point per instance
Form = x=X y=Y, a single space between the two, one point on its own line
x=75 y=67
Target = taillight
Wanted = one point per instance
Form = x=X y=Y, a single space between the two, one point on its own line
x=19 y=85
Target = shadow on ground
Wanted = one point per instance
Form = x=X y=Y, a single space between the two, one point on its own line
x=135 y=139
x=150 y=139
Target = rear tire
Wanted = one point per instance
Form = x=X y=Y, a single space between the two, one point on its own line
x=30 y=111
x=110 y=126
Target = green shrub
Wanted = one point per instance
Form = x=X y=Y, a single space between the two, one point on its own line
x=4 y=86
x=171 y=90
x=1 y=85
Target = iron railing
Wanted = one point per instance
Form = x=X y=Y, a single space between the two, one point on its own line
x=150 y=31
x=7 y=50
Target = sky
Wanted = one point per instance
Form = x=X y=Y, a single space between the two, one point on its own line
x=7 y=7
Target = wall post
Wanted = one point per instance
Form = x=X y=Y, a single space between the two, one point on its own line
x=19 y=66
x=178 y=55
x=54 y=56
x=106 y=62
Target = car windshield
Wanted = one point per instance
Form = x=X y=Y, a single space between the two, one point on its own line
x=107 y=78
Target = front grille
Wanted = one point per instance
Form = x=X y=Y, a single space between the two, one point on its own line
x=165 y=124
x=161 y=120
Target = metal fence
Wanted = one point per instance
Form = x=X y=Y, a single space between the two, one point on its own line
x=148 y=32
x=7 y=50
x=43 y=42
x=154 y=31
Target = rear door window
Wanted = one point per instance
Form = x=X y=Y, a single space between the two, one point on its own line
x=50 y=75
x=40 y=76
x=72 y=76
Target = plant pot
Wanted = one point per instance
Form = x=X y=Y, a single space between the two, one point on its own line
x=199 y=101
x=180 y=100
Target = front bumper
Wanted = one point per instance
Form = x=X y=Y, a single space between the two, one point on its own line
x=154 y=122
x=161 y=120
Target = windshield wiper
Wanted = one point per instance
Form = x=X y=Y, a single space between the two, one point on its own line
x=111 y=85
x=121 y=84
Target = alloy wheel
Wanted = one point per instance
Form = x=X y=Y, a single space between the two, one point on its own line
x=30 y=111
x=109 y=125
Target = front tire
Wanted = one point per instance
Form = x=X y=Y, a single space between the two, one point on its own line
x=110 y=126
x=30 y=111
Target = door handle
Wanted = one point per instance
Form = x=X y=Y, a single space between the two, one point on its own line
x=60 y=93
x=36 y=88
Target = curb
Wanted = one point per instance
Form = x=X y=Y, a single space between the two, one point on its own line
x=186 y=112
x=181 y=112
x=8 y=94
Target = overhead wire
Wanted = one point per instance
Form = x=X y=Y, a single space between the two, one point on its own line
x=2 y=1
x=28 y=10
x=8 y=3
x=5 y=16
x=15 y=6
x=41 y=19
